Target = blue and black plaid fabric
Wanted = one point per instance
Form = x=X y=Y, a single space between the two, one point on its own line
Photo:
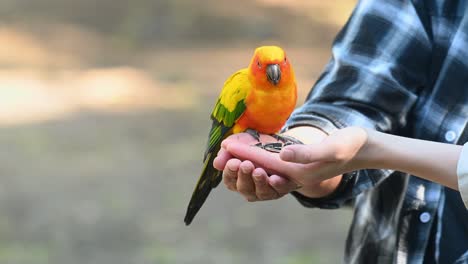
x=400 y=67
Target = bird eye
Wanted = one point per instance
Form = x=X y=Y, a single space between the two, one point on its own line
x=284 y=59
x=259 y=64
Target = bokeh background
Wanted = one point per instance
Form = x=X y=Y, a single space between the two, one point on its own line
x=104 y=115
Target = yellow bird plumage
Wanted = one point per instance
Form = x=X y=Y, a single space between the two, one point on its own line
x=260 y=97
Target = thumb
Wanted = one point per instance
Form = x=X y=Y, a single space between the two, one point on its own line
x=306 y=153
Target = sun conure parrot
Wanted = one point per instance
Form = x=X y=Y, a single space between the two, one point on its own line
x=259 y=98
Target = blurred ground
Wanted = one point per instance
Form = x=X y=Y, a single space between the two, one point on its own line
x=104 y=113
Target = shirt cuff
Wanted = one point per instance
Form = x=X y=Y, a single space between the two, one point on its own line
x=462 y=173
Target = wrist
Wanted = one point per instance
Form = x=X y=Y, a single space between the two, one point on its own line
x=367 y=156
x=384 y=151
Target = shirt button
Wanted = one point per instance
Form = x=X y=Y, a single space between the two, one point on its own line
x=450 y=136
x=425 y=217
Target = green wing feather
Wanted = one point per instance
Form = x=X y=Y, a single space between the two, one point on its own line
x=228 y=109
x=223 y=121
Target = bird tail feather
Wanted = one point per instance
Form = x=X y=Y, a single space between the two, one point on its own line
x=209 y=179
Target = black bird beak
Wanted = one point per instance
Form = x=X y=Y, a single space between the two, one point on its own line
x=273 y=72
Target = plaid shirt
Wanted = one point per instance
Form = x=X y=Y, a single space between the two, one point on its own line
x=400 y=67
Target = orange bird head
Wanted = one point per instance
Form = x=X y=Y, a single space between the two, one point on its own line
x=271 y=68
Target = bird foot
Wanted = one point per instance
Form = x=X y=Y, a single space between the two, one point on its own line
x=276 y=147
x=253 y=133
x=287 y=140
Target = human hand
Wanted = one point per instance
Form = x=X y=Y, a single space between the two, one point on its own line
x=339 y=153
x=242 y=176
x=317 y=167
x=279 y=182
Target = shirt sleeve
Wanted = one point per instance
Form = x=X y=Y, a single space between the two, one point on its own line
x=380 y=61
x=462 y=173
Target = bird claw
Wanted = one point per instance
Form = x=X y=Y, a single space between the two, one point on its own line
x=287 y=140
x=274 y=147
x=253 y=133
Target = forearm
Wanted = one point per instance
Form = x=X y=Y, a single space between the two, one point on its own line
x=429 y=160
x=311 y=135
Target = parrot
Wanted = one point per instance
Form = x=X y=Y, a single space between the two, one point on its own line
x=256 y=99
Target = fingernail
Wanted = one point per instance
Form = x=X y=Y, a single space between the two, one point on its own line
x=223 y=144
x=230 y=168
x=256 y=176
x=287 y=154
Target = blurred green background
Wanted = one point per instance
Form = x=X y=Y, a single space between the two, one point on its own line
x=104 y=115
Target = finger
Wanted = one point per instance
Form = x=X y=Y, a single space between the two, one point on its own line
x=245 y=185
x=307 y=153
x=221 y=159
x=263 y=190
x=269 y=161
x=230 y=174
x=282 y=185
